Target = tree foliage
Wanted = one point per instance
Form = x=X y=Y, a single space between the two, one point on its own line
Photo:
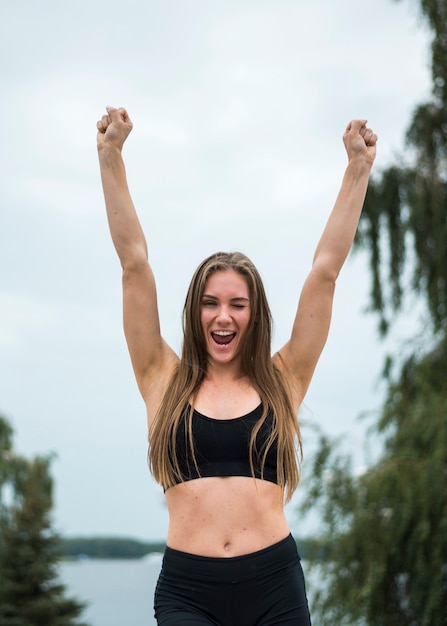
x=387 y=529
x=404 y=223
x=109 y=547
x=30 y=594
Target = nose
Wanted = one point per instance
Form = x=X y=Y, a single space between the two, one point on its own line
x=223 y=315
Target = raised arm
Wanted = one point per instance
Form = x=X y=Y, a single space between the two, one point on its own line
x=299 y=356
x=151 y=358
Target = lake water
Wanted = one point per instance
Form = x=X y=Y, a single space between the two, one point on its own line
x=119 y=592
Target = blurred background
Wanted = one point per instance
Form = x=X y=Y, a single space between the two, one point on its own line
x=238 y=108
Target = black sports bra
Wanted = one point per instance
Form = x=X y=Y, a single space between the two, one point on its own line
x=222 y=447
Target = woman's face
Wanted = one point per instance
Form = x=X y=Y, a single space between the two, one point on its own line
x=225 y=312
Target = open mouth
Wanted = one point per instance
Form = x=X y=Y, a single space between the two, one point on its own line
x=223 y=337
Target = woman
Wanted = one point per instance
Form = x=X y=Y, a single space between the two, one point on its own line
x=222 y=419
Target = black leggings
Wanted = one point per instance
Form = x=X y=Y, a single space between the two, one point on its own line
x=264 y=588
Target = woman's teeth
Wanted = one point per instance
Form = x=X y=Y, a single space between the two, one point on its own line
x=223 y=336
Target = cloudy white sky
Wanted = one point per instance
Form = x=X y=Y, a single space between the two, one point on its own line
x=238 y=110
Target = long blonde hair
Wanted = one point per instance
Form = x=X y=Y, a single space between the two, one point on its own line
x=256 y=364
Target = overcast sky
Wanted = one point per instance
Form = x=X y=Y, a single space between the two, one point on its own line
x=238 y=111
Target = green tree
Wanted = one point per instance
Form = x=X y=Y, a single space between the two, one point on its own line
x=386 y=530
x=405 y=215
x=30 y=594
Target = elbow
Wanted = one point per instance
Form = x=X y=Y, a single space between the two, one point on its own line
x=326 y=268
x=134 y=259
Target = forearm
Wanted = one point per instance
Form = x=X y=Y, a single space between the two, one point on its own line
x=339 y=233
x=127 y=234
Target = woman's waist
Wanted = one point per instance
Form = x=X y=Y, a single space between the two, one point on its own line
x=226 y=543
x=273 y=557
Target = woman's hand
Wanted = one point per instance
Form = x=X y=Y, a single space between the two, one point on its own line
x=113 y=128
x=360 y=141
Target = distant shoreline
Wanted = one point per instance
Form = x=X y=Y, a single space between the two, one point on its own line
x=80 y=548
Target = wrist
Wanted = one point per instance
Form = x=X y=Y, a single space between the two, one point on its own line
x=108 y=152
x=359 y=166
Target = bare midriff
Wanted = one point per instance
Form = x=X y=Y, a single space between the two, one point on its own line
x=225 y=516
